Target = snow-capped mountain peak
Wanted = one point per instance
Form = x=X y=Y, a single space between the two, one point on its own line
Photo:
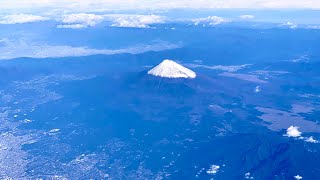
x=171 y=69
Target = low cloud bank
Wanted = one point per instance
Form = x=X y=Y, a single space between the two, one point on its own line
x=11 y=50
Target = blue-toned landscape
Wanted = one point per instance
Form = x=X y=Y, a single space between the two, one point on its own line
x=80 y=97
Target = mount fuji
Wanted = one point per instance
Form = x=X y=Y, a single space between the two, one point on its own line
x=171 y=69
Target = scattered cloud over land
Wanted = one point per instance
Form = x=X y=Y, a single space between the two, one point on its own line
x=311 y=140
x=248 y=176
x=293 y=131
x=213 y=169
x=298 y=177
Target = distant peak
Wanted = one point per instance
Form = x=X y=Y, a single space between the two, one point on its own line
x=171 y=69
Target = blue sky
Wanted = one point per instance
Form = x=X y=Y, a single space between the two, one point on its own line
x=55 y=9
x=103 y=5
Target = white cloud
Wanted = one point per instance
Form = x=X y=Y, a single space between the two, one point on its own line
x=291 y=25
x=298 y=177
x=12 y=50
x=80 y=20
x=220 y=67
x=293 y=131
x=210 y=20
x=246 y=16
x=135 y=21
x=54 y=130
x=71 y=26
x=257 y=89
x=83 y=20
x=311 y=140
x=21 y=18
x=313 y=27
x=90 y=19
x=213 y=169
x=248 y=176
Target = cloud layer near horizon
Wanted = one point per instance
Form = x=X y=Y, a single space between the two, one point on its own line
x=21 y=18
x=83 y=20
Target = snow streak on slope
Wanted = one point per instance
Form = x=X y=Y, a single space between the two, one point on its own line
x=171 y=69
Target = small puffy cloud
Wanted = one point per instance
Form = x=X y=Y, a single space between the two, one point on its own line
x=213 y=169
x=134 y=21
x=246 y=16
x=257 y=89
x=248 y=176
x=291 y=25
x=298 y=177
x=71 y=26
x=21 y=18
x=211 y=21
x=54 y=130
x=293 y=131
x=311 y=140
x=80 y=20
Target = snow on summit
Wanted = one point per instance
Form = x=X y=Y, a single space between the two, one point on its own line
x=171 y=69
